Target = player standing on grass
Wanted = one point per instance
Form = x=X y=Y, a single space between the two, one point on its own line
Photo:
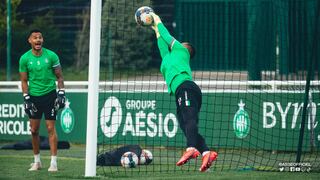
x=176 y=71
x=39 y=69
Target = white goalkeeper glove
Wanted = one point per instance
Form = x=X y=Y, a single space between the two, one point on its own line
x=156 y=19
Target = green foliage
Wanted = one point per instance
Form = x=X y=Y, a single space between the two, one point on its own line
x=20 y=30
x=124 y=44
x=3 y=26
x=81 y=42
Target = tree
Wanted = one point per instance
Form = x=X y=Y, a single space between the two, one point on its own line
x=3 y=28
x=82 y=41
x=20 y=30
x=124 y=44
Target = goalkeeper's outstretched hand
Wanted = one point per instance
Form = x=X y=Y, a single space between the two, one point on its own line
x=156 y=19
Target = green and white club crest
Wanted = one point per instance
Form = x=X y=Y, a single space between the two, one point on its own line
x=67 y=118
x=241 y=122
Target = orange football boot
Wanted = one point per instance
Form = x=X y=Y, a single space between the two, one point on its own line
x=207 y=160
x=190 y=153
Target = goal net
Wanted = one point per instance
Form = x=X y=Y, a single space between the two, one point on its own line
x=256 y=62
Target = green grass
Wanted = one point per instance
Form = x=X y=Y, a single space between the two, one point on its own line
x=14 y=165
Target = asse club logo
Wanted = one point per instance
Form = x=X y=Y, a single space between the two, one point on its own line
x=67 y=119
x=241 y=122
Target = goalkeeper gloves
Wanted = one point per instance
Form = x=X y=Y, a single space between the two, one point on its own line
x=60 y=101
x=29 y=108
x=156 y=19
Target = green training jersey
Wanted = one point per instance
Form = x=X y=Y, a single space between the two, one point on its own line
x=40 y=71
x=175 y=66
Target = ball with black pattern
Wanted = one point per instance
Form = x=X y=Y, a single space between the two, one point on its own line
x=129 y=160
x=143 y=16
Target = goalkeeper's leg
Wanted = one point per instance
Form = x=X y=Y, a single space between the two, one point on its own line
x=34 y=128
x=187 y=112
x=53 y=145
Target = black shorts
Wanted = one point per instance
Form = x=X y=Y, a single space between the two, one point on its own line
x=45 y=105
x=188 y=102
x=188 y=94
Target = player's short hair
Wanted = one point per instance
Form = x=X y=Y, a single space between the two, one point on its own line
x=34 y=31
x=191 y=49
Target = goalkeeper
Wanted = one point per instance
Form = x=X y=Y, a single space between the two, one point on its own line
x=176 y=71
x=39 y=69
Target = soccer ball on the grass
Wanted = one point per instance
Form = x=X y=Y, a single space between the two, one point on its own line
x=129 y=160
x=145 y=157
x=143 y=16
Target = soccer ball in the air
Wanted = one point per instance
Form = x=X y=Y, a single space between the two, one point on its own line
x=146 y=157
x=129 y=160
x=143 y=16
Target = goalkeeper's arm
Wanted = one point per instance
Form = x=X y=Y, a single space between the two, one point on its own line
x=163 y=47
x=162 y=30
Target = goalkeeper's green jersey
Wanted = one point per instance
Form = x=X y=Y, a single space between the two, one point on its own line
x=40 y=71
x=175 y=66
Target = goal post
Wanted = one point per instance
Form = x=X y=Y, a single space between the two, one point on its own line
x=93 y=87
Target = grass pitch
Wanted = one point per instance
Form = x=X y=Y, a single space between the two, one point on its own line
x=71 y=163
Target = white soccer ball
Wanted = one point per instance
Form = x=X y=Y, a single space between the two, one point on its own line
x=143 y=16
x=129 y=160
x=146 y=157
